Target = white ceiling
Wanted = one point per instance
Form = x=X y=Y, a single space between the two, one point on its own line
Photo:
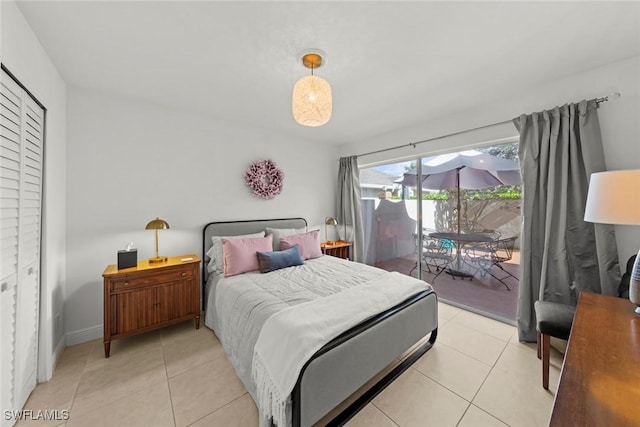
x=390 y=64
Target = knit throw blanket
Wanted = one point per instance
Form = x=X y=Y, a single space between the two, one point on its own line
x=291 y=337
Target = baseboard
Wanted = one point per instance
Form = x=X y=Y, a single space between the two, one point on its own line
x=57 y=352
x=84 y=335
x=47 y=362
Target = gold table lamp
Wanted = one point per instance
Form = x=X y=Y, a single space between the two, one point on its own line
x=157 y=224
x=329 y=221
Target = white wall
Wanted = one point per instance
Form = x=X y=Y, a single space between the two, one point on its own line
x=619 y=122
x=130 y=161
x=23 y=55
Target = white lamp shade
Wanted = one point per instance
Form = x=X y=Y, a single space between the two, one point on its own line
x=311 y=101
x=614 y=198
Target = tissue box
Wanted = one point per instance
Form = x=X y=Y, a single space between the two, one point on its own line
x=127 y=259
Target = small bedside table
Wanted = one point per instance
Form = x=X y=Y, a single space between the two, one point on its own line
x=149 y=296
x=339 y=249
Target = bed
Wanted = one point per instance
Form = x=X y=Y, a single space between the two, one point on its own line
x=239 y=309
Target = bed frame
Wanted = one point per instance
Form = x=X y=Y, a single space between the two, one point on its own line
x=349 y=361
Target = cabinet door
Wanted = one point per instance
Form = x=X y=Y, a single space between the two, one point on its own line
x=133 y=310
x=176 y=300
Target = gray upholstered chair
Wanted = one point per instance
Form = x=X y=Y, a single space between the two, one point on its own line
x=553 y=320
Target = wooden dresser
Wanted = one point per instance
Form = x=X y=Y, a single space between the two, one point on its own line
x=150 y=296
x=339 y=249
x=600 y=379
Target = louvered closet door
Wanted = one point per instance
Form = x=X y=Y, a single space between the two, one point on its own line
x=21 y=136
x=10 y=173
x=26 y=358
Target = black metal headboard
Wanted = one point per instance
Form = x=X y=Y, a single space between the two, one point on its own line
x=235 y=228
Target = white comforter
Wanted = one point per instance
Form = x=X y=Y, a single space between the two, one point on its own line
x=239 y=306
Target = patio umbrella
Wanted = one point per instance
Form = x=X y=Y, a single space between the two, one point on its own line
x=470 y=170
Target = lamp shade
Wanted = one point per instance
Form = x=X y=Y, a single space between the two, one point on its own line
x=157 y=224
x=614 y=198
x=311 y=101
x=327 y=222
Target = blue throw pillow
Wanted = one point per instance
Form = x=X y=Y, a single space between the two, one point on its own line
x=276 y=260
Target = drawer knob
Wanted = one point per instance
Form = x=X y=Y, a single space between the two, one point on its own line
x=183 y=274
x=126 y=283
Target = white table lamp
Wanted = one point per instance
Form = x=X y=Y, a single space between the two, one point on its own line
x=614 y=198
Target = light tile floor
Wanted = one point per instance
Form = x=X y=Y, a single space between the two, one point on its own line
x=477 y=374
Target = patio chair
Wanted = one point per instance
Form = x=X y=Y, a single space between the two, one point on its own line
x=483 y=256
x=502 y=251
x=477 y=228
x=472 y=226
x=436 y=253
x=478 y=257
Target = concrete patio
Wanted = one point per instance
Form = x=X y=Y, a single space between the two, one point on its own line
x=482 y=294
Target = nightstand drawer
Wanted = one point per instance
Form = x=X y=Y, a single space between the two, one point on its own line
x=137 y=282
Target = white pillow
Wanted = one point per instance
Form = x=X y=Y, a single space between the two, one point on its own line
x=216 y=254
x=283 y=232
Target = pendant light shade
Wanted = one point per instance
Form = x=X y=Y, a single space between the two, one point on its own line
x=311 y=100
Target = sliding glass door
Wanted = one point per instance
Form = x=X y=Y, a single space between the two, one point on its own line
x=439 y=219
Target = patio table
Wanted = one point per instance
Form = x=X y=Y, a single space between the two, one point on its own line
x=461 y=240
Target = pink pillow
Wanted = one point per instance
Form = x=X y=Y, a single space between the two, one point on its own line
x=309 y=244
x=241 y=255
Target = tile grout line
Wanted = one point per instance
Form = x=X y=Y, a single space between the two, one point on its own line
x=491 y=415
x=75 y=393
x=464 y=413
x=470 y=402
x=501 y=324
x=441 y=385
x=85 y=371
x=385 y=414
x=122 y=398
x=468 y=355
x=478 y=332
x=166 y=373
x=485 y=380
x=218 y=409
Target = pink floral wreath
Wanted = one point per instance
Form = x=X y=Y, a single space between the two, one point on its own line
x=264 y=178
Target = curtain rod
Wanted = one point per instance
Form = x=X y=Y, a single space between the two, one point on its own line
x=598 y=101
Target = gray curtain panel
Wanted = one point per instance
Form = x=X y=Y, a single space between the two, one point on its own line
x=349 y=208
x=560 y=253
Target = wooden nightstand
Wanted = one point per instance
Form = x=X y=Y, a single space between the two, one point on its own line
x=339 y=249
x=148 y=297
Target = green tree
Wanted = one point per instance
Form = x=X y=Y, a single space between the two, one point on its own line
x=411 y=166
x=506 y=151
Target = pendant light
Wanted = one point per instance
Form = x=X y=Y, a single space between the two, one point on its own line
x=311 y=100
